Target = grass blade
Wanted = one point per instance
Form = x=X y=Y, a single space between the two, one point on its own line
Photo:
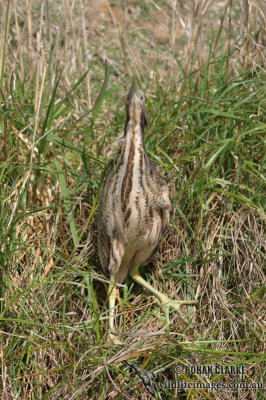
x=67 y=202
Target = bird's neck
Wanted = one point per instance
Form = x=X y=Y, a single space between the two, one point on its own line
x=133 y=131
x=136 y=121
x=134 y=154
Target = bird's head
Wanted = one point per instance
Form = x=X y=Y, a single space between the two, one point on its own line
x=135 y=107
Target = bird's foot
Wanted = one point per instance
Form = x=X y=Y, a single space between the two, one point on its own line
x=113 y=338
x=168 y=303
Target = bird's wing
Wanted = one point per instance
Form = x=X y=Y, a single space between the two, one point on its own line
x=162 y=195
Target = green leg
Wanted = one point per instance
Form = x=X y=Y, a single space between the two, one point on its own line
x=165 y=301
x=112 y=292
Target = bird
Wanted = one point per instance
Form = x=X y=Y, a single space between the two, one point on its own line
x=133 y=211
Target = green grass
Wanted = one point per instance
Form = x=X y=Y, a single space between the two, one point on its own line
x=61 y=110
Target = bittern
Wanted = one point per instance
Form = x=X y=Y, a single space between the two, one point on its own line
x=133 y=210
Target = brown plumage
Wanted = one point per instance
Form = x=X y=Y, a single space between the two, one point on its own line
x=133 y=208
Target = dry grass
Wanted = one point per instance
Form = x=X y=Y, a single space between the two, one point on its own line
x=202 y=65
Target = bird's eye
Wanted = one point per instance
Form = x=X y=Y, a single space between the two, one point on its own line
x=142 y=97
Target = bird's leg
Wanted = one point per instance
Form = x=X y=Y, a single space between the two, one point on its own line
x=112 y=292
x=165 y=301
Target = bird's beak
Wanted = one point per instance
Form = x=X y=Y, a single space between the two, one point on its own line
x=135 y=87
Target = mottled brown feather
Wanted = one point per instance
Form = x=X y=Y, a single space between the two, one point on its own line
x=134 y=201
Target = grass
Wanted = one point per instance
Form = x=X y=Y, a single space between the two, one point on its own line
x=61 y=110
